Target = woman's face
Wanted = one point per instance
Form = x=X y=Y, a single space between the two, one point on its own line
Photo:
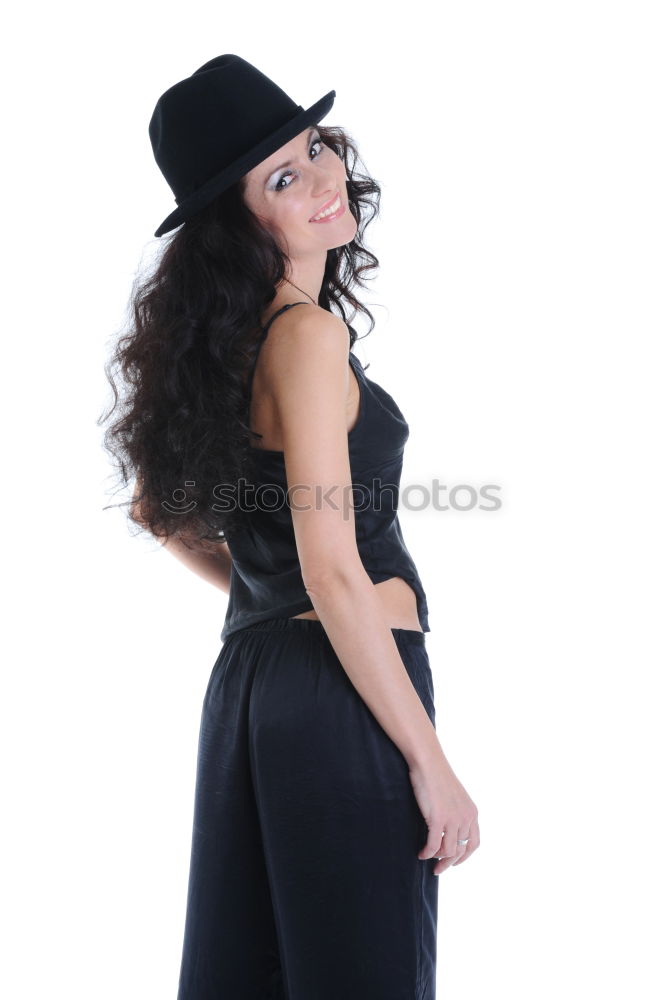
x=285 y=198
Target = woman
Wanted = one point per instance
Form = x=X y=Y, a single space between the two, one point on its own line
x=322 y=792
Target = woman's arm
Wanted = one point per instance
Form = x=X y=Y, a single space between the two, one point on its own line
x=212 y=566
x=215 y=567
x=306 y=366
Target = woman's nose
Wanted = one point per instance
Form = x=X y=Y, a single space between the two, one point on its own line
x=325 y=187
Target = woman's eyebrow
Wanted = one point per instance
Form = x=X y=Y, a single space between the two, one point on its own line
x=288 y=162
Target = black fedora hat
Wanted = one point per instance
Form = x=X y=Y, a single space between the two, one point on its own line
x=215 y=125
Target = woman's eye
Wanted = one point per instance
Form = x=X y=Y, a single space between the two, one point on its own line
x=317 y=142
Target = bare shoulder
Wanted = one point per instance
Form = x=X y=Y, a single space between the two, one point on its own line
x=305 y=379
x=301 y=338
x=305 y=317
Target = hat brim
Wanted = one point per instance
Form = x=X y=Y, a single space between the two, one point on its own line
x=203 y=195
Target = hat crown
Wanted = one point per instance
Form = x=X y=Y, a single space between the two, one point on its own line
x=212 y=118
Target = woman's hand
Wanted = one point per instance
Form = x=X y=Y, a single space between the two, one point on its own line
x=448 y=811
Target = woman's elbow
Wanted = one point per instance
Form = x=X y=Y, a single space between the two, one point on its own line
x=333 y=575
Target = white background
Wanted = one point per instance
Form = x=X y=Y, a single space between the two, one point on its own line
x=519 y=309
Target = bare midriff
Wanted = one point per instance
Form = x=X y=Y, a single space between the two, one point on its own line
x=399 y=604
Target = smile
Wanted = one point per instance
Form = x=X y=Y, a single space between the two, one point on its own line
x=332 y=212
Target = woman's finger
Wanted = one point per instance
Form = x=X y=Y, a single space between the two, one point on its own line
x=474 y=842
x=432 y=847
x=447 y=853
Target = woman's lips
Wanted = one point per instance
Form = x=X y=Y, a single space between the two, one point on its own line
x=333 y=215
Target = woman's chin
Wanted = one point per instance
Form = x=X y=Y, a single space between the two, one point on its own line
x=339 y=232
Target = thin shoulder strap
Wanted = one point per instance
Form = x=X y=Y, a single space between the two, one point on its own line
x=278 y=313
x=264 y=334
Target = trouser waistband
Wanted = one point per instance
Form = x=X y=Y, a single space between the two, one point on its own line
x=314 y=626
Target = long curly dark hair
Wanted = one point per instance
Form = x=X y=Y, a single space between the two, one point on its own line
x=183 y=423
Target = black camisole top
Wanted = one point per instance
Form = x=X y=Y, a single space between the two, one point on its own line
x=266 y=581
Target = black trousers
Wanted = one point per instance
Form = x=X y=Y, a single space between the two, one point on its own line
x=304 y=881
